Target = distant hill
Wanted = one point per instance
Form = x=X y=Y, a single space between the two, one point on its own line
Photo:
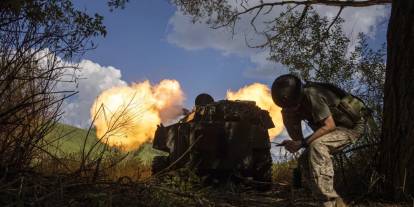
x=66 y=139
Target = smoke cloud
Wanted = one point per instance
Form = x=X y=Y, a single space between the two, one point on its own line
x=127 y=116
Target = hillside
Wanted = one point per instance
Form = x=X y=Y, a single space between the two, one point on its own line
x=66 y=139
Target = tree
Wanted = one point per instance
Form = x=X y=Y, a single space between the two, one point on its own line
x=398 y=125
x=397 y=139
x=37 y=40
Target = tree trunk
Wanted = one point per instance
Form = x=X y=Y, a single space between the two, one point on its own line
x=397 y=161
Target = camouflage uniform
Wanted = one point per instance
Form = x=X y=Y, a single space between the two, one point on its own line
x=316 y=161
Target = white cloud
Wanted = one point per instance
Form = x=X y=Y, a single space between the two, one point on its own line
x=358 y=20
x=191 y=36
x=93 y=79
x=264 y=68
x=187 y=35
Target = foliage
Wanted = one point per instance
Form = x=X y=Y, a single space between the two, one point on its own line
x=35 y=37
x=319 y=51
x=115 y=4
x=213 y=12
x=309 y=49
x=282 y=171
x=369 y=65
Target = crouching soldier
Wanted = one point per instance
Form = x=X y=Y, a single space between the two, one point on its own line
x=337 y=119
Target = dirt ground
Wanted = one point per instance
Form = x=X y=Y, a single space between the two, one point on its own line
x=281 y=195
x=60 y=191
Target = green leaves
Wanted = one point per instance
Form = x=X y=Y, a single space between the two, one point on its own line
x=305 y=46
x=116 y=4
x=53 y=24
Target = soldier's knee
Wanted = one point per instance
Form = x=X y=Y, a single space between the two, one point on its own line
x=315 y=145
x=317 y=151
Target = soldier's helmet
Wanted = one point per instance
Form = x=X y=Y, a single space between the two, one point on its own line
x=287 y=91
x=203 y=99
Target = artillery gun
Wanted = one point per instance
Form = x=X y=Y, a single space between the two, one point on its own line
x=218 y=139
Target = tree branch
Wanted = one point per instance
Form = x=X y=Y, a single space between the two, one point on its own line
x=254 y=18
x=302 y=16
x=334 y=20
x=321 y=2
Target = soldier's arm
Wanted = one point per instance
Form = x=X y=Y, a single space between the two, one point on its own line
x=293 y=126
x=322 y=114
x=328 y=126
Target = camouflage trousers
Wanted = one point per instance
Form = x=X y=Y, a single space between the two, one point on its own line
x=317 y=167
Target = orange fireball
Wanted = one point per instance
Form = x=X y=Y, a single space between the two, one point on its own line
x=261 y=95
x=127 y=116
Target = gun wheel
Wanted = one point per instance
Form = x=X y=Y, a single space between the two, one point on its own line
x=159 y=163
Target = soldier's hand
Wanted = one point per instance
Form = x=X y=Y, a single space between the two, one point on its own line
x=292 y=146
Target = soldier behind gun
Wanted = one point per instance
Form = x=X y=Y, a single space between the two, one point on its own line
x=337 y=119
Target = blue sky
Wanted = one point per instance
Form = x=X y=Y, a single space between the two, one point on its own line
x=149 y=39
x=137 y=45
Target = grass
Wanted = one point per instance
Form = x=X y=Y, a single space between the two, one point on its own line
x=67 y=144
x=68 y=140
x=282 y=171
